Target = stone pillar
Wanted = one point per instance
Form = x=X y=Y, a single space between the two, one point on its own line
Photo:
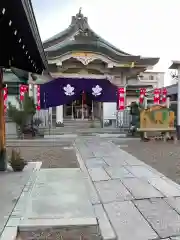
x=59 y=114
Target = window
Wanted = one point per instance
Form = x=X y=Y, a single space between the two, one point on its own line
x=151 y=77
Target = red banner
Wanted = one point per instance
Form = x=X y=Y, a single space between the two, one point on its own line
x=121 y=99
x=5 y=98
x=142 y=95
x=38 y=106
x=22 y=90
x=157 y=93
x=164 y=95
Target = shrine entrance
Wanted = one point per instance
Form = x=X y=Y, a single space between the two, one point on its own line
x=83 y=108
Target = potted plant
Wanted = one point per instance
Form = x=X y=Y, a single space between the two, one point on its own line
x=16 y=161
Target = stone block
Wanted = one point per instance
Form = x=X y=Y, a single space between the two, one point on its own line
x=114 y=161
x=98 y=174
x=141 y=172
x=165 y=187
x=106 y=229
x=59 y=206
x=112 y=190
x=9 y=233
x=141 y=189
x=164 y=219
x=128 y=222
x=95 y=162
x=118 y=172
x=174 y=202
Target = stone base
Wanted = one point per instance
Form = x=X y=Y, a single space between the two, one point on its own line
x=59 y=208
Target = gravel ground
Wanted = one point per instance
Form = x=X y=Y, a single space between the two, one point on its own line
x=62 y=156
x=165 y=157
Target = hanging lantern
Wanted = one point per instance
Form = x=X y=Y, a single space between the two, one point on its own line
x=142 y=95
x=121 y=99
x=164 y=95
x=5 y=98
x=157 y=92
x=38 y=97
x=22 y=90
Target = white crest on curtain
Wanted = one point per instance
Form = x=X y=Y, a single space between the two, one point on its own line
x=68 y=90
x=97 y=90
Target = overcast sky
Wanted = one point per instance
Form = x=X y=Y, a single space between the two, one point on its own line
x=148 y=28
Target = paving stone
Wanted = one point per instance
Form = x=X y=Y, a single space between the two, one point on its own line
x=98 y=174
x=13 y=221
x=114 y=161
x=128 y=222
x=112 y=190
x=107 y=231
x=9 y=233
x=161 y=216
x=174 y=202
x=95 y=162
x=93 y=196
x=141 y=189
x=118 y=172
x=141 y=172
x=165 y=187
x=12 y=185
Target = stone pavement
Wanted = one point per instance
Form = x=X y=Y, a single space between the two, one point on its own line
x=131 y=199
x=15 y=187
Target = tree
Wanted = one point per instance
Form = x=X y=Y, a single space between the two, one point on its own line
x=23 y=114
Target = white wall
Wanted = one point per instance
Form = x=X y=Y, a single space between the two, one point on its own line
x=59 y=114
x=13 y=100
x=109 y=110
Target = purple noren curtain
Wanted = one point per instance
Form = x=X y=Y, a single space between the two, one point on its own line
x=65 y=90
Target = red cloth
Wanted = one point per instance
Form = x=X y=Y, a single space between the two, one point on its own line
x=83 y=97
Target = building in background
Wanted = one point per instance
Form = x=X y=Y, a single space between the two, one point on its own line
x=147 y=79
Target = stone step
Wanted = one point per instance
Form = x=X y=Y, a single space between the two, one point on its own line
x=59 y=208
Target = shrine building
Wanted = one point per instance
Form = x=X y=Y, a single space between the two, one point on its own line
x=86 y=71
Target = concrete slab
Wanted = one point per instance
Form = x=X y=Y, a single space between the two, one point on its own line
x=98 y=174
x=112 y=190
x=141 y=172
x=118 y=172
x=12 y=186
x=128 y=222
x=58 y=202
x=9 y=233
x=141 y=189
x=95 y=162
x=107 y=231
x=164 y=219
x=174 y=202
x=114 y=161
x=167 y=188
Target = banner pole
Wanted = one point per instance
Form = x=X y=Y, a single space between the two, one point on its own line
x=82 y=105
x=72 y=111
x=92 y=111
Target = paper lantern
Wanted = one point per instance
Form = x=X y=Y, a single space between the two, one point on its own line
x=121 y=99
x=142 y=95
x=22 y=90
x=157 y=92
x=38 y=107
x=164 y=95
